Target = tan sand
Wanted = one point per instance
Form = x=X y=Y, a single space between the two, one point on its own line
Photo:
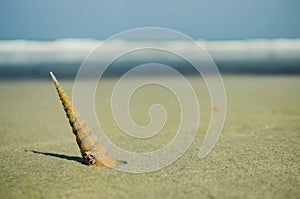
x=257 y=155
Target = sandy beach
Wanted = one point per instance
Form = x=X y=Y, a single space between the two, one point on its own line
x=257 y=155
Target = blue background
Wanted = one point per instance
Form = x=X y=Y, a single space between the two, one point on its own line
x=208 y=19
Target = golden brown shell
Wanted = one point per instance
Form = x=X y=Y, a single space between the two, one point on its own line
x=92 y=151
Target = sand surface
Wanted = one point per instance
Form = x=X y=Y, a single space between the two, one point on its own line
x=257 y=155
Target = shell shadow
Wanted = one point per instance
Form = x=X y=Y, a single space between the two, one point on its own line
x=62 y=156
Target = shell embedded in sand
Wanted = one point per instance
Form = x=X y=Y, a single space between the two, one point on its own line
x=92 y=151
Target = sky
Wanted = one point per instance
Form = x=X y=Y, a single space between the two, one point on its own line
x=199 y=19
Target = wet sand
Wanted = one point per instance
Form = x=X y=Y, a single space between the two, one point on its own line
x=257 y=155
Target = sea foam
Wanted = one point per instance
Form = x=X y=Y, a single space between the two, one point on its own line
x=28 y=52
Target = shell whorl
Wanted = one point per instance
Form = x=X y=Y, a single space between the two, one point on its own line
x=92 y=151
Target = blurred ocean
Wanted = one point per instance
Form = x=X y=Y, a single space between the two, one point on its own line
x=29 y=58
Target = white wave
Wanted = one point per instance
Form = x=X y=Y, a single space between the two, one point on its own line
x=26 y=52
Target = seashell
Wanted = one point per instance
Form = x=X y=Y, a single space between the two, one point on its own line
x=91 y=150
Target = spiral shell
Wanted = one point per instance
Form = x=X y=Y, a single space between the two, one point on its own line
x=92 y=151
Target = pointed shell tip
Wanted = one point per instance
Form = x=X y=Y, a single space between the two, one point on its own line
x=52 y=76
